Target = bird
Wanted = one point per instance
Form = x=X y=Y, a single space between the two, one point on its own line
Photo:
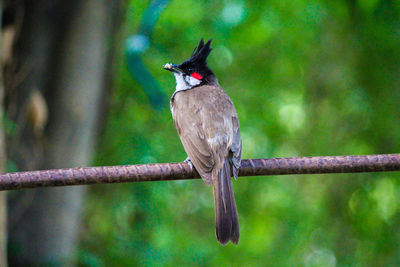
x=208 y=126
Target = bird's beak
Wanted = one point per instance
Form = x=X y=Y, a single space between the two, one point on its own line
x=172 y=67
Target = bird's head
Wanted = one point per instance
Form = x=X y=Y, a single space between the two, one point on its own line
x=193 y=71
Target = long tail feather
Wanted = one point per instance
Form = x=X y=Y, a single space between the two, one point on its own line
x=226 y=218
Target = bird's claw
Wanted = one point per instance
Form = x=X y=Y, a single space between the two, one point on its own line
x=189 y=162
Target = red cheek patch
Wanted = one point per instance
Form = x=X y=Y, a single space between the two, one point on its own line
x=197 y=76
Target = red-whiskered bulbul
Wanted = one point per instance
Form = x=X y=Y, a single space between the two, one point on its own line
x=208 y=127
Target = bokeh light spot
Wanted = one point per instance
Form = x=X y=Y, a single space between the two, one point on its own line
x=233 y=14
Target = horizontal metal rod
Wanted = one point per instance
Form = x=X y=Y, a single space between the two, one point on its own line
x=180 y=171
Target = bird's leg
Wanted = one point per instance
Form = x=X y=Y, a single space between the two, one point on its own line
x=188 y=161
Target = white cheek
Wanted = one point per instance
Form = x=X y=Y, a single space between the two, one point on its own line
x=180 y=82
x=192 y=81
x=185 y=82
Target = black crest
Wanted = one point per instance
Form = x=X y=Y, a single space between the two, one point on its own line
x=200 y=54
x=202 y=50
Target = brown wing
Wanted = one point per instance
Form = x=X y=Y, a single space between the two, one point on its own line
x=236 y=147
x=194 y=141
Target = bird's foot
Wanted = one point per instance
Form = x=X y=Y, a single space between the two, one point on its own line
x=188 y=161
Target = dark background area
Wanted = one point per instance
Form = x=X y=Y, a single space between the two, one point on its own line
x=83 y=85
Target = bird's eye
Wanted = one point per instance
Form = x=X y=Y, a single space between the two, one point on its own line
x=190 y=70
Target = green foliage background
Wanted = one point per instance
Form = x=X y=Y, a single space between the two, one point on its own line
x=308 y=78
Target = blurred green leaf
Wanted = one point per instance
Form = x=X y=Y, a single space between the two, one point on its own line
x=307 y=78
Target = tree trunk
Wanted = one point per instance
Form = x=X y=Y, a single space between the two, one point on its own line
x=70 y=55
x=3 y=200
